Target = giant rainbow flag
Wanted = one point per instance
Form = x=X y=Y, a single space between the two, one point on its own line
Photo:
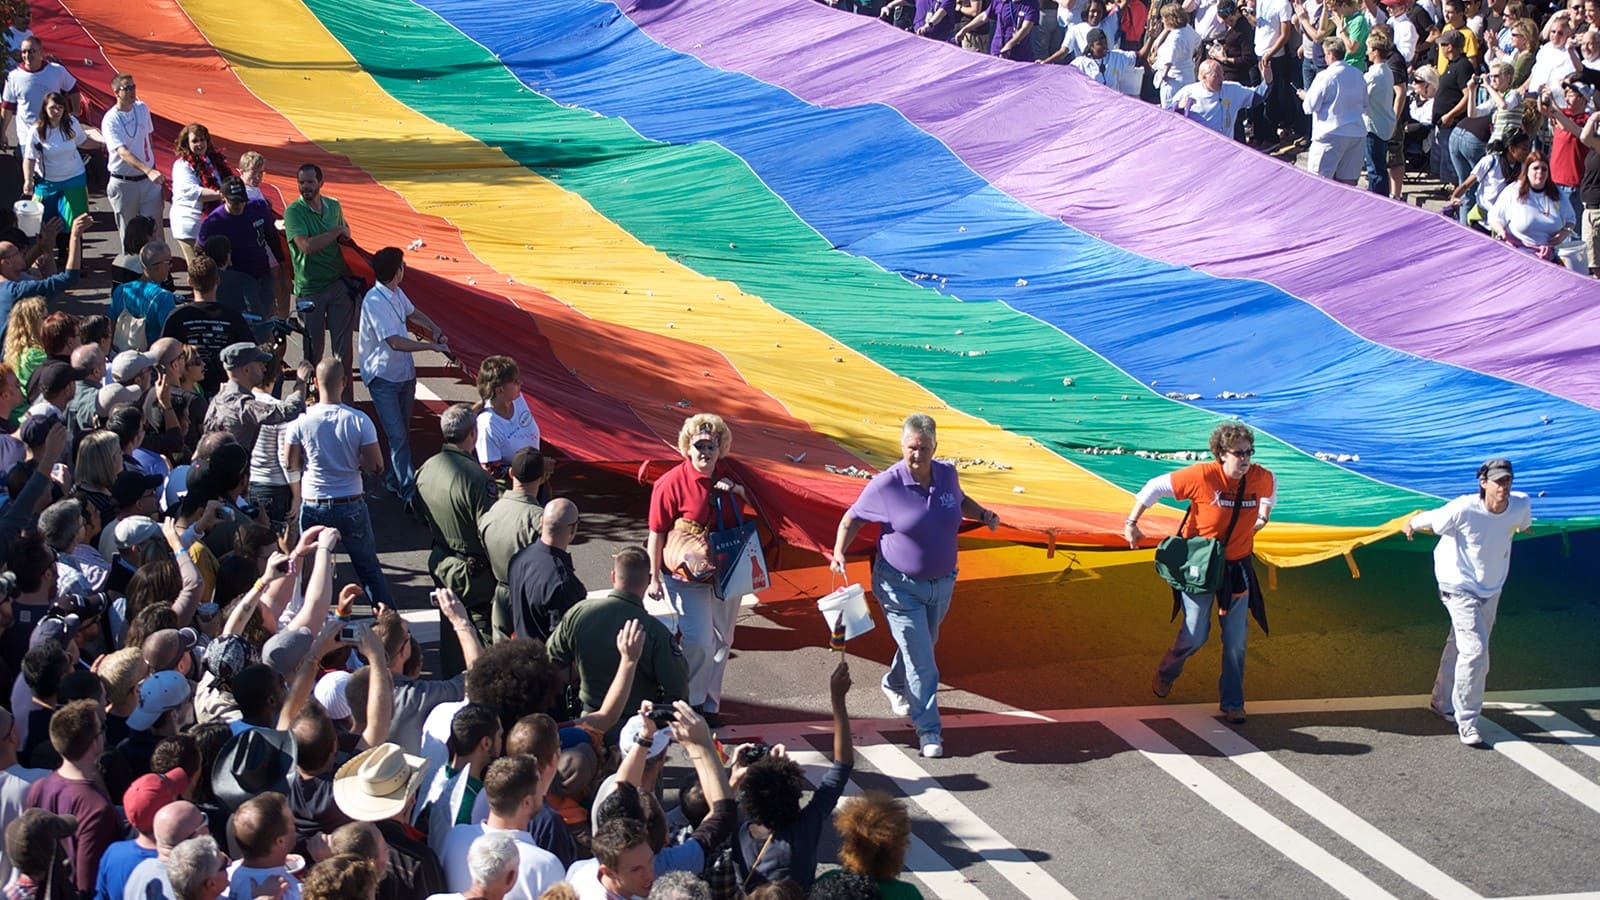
x=814 y=224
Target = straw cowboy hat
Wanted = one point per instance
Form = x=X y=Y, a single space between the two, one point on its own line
x=378 y=783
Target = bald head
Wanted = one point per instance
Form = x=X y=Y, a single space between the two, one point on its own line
x=175 y=823
x=330 y=378
x=89 y=359
x=1211 y=74
x=556 y=527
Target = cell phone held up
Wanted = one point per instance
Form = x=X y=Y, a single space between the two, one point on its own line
x=350 y=633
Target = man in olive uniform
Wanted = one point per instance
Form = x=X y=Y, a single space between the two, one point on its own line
x=587 y=638
x=456 y=491
x=511 y=524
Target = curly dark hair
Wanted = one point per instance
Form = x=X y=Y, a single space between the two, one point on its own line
x=771 y=792
x=843 y=885
x=176 y=751
x=44 y=666
x=515 y=678
x=210 y=737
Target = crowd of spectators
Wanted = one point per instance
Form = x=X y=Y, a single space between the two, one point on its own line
x=194 y=708
x=1454 y=92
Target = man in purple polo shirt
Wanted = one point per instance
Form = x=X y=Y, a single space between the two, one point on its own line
x=919 y=504
x=246 y=224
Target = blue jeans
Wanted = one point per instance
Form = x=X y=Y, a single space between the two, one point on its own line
x=1377 y=164
x=1192 y=635
x=355 y=535
x=1465 y=151
x=393 y=402
x=914 y=608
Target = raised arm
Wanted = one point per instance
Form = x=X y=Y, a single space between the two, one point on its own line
x=844 y=750
x=380 y=688
x=305 y=674
x=630 y=646
x=319 y=590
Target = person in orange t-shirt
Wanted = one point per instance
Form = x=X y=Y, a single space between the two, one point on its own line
x=1211 y=489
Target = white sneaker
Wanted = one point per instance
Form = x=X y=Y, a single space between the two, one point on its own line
x=1472 y=738
x=897 y=703
x=932 y=750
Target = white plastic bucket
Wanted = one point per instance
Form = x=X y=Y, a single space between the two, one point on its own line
x=850 y=604
x=1574 y=255
x=30 y=216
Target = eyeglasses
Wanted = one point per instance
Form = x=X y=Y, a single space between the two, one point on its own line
x=127 y=87
x=1246 y=453
x=705 y=446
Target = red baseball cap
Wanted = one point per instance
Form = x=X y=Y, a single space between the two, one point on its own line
x=148 y=793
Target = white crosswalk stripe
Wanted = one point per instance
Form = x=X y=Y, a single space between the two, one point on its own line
x=1331 y=860
x=1326 y=810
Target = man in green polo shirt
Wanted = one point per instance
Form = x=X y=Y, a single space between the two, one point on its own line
x=314 y=225
x=587 y=639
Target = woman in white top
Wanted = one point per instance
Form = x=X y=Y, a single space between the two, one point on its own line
x=1493 y=172
x=1175 y=52
x=52 y=161
x=505 y=424
x=197 y=176
x=1533 y=215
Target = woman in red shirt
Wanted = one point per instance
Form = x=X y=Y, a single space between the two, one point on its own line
x=691 y=492
x=1213 y=489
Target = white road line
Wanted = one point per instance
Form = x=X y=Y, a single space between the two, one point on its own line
x=1358 y=831
x=1581 y=895
x=1556 y=773
x=937 y=874
x=924 y=790
x=1556 y=725
x=1338 y=874
x=823 y=725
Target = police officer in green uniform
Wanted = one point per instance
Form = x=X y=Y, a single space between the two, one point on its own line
x=511 y=524
x=455 y=491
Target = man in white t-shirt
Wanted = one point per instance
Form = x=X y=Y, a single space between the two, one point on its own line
x=27 y=85
x=135 y=187
x=1471 y=562
x=332 y=444
x=1217 y=104
x=1553 y=62
x=386 y=365
x=1274 y=21
x=263 y=827
x=512 y=785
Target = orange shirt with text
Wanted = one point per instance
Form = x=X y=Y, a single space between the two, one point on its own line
x=1212 y=494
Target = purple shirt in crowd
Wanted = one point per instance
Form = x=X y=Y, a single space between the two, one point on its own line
x=919 y=526
x=946 y=26
x=1007 y=16
x=246 y=233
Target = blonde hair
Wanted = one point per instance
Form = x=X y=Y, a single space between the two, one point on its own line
x=121 y=673
x=23 y=329
x=250 y=159
x=99 y=460
x=704 y=423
